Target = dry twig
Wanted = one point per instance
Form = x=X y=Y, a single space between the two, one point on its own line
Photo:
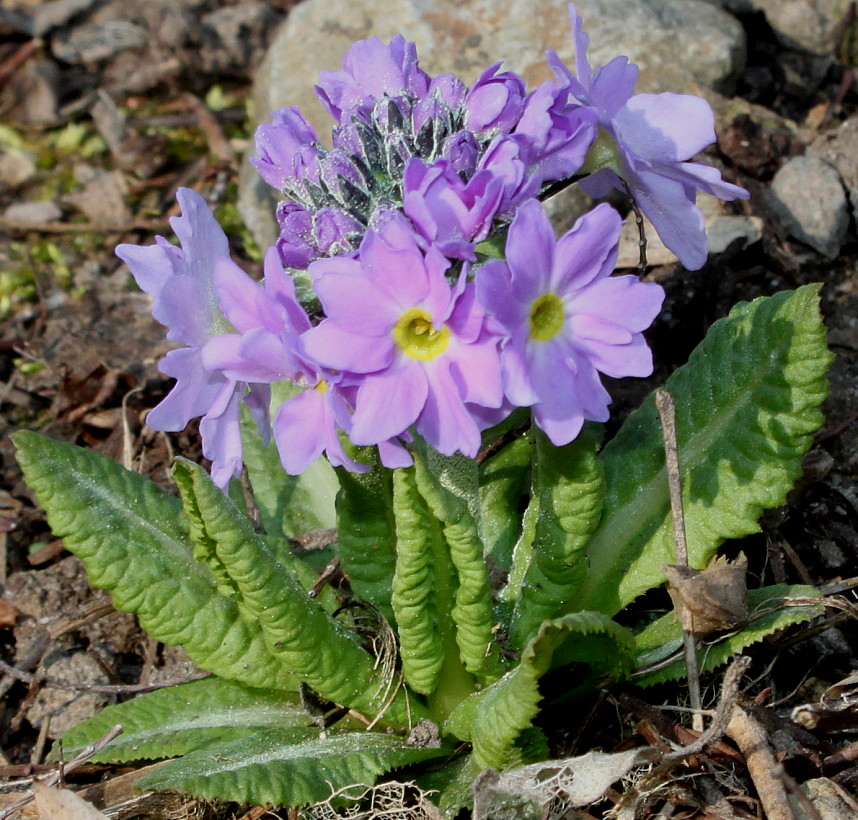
x=750 y=736
x=106 y=688
x=667 y=413
x=64 y=768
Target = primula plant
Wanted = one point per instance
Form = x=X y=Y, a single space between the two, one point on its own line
x=420 y=369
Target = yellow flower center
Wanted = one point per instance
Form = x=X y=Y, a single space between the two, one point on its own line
x=546 y=317
x=416 y=337
x=322 y=386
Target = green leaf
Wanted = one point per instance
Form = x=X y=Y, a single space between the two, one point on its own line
x=747 y=405
x=320 y=650
x=504 y=481
x=288 y=505
x=420 y=549
x=184 y=718
x=494 y=719
x=454 y=784
x=134 y=542
x=366 y=531
x=450 y=487
x=271 y=767
x=659 y=646
x=569 y=488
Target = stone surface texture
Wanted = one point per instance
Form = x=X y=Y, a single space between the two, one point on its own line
x=466 y=37
x=722 y=229
x=840 y=149
x=805 y=25
x=809 y=199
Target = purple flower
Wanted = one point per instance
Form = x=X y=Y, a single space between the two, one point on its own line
x=287 y=149
x=270 y=320
x=419 y=350
x=559 y=133
x=566 y=318
x=308 y=425
x=448 y=212
x=181 y=284
x=372 y=70
x=495 y=101
x=307 y=235
x=462 y=151
x=649 y=138
x=508 y=158
x=446 y=93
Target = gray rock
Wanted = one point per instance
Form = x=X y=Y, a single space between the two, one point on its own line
x=56 y=13
x=101 y=197
x=16 y=167
x=68 y=707
x=827 y=799
x=809 y=199
x=34 y=212
x=674 y=43
x=31 y=97
x=722 y=229
x=805 y=25
x=240 y=34
x=465 y=37
x=840 y=149
x=98 y=41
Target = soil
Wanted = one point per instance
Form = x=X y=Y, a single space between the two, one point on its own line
x=108 y=137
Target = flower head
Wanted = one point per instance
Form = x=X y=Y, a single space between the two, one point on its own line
x=372 y=70
x=495 y=101
x=287 y=149
x=448 y=212
x=649 y=140
x=417 y=349
x=559 y=133
x=566 y=318
x=181 y=282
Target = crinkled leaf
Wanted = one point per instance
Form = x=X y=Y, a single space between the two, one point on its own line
x=420 y=556
x=366 y=532
x=449 y=486
x=494 y=719
x=454 y=784
x=568 y=489
x=180 y=719
x=659 y=645
x=134 y=542
x=272 y=766
x=504 y=481
x=319 y=649
x=747 y=405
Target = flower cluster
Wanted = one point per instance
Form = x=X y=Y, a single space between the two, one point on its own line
x=421 y=329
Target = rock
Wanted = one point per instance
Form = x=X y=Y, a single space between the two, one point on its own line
x=56 y=13
x=98 y=41
x=722 y=229
x=467 y=36
x=827 y=799
x=808 y=197
x=648 y=32
x=805 y=25
x=840 y=149
x=34 y=212
x=68 y=707
x=239 y=35
x=16 y=167
x=31 y=96
x=102 y=196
